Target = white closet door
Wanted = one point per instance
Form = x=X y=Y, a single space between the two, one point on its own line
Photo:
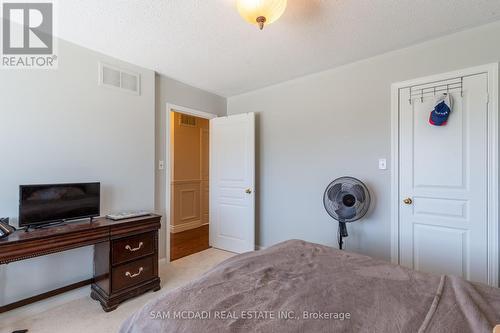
x=443 y=171
x=232 y=173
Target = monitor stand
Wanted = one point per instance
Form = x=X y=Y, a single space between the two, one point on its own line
x=43 y=226
x=48 y=225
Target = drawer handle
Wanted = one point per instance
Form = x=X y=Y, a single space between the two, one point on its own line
x=130 y=275
x=128 y=247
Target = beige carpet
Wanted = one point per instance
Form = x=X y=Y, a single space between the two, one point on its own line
x=86 y=315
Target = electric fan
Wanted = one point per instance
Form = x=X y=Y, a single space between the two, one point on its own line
x=346 y=199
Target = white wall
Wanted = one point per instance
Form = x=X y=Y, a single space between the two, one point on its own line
x=174 y=92
x=335 y=123
x=60 y=126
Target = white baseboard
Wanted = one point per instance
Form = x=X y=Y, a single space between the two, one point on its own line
x=258 y=247
x=33 y=309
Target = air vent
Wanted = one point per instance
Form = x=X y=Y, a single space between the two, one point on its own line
x=117 y=78
x=188 y=120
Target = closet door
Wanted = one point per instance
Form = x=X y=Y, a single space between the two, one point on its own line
x=443 y=183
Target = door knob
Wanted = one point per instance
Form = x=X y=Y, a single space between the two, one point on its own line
x=408 y=201
x=248 y=191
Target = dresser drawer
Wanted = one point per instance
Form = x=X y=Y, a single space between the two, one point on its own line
x=132 y=273
x=130 y=248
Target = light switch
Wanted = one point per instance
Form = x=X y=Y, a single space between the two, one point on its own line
x=382 y=164
x=161 y=165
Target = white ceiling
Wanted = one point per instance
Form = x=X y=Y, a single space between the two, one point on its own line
x=206 y=44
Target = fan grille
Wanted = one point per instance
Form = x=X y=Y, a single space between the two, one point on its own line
x=346 y=199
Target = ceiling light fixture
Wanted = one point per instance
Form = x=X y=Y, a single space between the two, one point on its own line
x=261 y=12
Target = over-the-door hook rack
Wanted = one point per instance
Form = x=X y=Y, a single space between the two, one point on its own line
x=429 y=89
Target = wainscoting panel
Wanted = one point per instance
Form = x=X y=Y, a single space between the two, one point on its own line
x=190 y=174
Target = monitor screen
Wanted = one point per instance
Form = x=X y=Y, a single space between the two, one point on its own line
x=40 y=204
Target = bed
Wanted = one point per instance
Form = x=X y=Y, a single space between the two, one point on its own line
x=296 y=286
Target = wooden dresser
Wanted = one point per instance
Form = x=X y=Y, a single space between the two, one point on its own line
x=125 y=256
x=127 y=265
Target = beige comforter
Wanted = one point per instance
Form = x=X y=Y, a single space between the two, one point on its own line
x=297 y=286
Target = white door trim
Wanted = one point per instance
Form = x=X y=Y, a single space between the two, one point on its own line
x=168 y=159
x=191 y=112
x=493 y=71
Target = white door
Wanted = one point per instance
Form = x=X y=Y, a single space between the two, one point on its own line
x=232 y=176
x=443 y=179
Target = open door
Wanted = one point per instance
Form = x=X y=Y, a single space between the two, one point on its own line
x=232 y=180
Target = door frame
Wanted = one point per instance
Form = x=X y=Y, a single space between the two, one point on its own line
x=168 y=159
x=493 y=158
